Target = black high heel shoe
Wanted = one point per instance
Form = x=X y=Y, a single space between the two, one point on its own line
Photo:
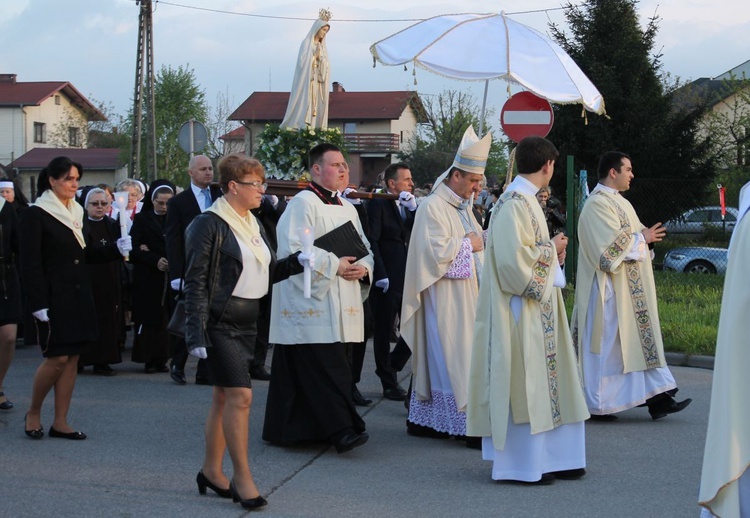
x=203 y=483
x=37 y=433
x=250 y=503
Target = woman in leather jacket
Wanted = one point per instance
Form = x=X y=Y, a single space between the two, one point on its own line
x=230 y=267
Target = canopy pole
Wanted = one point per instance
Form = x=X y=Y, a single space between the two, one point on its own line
x=484 y=106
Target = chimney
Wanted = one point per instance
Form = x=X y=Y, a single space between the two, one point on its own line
x=8 y=78
x=338 y=87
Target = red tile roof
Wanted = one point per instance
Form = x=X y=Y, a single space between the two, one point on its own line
x=235 y=134
x=97 y=158
x=342 y=106
x=34 y=93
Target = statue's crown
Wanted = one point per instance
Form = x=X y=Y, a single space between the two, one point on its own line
x=324 y=15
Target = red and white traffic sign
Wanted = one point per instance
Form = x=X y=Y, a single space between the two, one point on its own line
x=526 y=115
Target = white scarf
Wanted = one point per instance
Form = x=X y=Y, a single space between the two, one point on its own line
x=70 y=216
x=245 y=229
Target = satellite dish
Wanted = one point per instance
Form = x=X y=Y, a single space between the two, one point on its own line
x=193 y=137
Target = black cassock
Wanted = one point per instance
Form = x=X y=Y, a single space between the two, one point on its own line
x=106 y=285
x=153 y=299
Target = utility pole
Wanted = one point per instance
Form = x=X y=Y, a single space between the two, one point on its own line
x=144 y=93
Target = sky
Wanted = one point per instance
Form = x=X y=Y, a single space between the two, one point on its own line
x=92 y=43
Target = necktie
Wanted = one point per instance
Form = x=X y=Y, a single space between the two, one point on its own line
x=206 y=198
x=402 y=211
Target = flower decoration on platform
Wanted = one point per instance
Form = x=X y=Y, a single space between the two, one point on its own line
x=283 y=151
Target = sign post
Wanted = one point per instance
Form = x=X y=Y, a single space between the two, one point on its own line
x=526 y=114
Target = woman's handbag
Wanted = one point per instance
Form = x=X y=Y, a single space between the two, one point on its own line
x=178 y=321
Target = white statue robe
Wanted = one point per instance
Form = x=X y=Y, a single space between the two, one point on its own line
x=725 y=480
x=334 y=311
x=438 y=312
x=308 y=98
x=615 y=320
x=525 y=394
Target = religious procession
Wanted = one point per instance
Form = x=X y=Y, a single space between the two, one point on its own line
x=455 y=286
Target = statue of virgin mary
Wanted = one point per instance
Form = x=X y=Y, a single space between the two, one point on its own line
x=308 y=99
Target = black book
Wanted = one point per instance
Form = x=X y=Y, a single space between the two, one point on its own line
x=344 y=241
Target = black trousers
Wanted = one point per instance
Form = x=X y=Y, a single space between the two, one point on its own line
x=180 y=356
x=385 y=307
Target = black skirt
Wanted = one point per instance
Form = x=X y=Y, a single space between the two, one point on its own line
x=232 y=343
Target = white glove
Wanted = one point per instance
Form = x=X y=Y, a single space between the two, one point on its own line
x=307 y=260
x=408 y=200
x=175 y=284
x=273 y=199
x=383 y=284
x=353 y=201
x=41 y=315
x=199 y=352
x=125 y=245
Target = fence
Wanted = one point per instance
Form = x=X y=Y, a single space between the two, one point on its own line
x=697 y=234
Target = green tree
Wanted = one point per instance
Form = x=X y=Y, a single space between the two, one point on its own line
x=434 y=146
x=672 y=163
x=177 y=98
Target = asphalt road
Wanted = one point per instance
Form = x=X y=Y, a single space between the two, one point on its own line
x=145 y=446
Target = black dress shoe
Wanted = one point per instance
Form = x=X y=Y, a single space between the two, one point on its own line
x=201 y=380
x=104 y=370
x=73 y=436
x=260 y=374
x=569 y=474
x=149 y=368
x=605 y=418
x=178 y=375
x=203 y=483
x=37 y=433
x=5 y=405
x=667 y=407
x=350 y=441
x=161 y=367
x=417 y=430
x=474 y=443
x=250 y=503
x=394 y=393
x=358 y=398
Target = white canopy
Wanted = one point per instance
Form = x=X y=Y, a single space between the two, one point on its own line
x=491 y=46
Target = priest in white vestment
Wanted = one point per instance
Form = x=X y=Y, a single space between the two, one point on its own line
x=616 y=320
x=310 y=391
x=725 y=481
x=440 y=294
x=525 y=394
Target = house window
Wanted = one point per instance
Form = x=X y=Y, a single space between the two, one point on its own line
x=350 y=127
x=40 y=132
x=74 y=137
x=57 y=100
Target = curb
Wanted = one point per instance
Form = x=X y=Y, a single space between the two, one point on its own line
x=685 y=360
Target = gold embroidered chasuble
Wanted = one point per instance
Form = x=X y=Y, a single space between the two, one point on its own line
x=606 y=231
x=334 y=311
x=436 y=239
x=527 y=366
x=727 y=452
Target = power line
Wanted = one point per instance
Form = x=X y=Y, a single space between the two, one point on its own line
x=251 y=15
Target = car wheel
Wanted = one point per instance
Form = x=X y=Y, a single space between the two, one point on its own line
x=700 y=266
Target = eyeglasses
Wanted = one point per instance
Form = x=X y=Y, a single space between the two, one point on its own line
x=257 y=185
x=99 y=203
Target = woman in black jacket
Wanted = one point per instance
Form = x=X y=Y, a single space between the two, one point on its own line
x=230 y=266
x=58 y=290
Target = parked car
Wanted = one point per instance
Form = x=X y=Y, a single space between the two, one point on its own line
x=696 y=259
x=696 y=221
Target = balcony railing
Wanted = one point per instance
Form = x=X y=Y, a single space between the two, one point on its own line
x=372 y=142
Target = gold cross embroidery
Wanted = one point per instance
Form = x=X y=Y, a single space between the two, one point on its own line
x=352 y=311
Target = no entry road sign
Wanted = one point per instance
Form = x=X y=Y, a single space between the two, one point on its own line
x=526 y=115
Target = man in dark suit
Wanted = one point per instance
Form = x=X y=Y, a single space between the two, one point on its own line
x=391 y=222
x=183 y=208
